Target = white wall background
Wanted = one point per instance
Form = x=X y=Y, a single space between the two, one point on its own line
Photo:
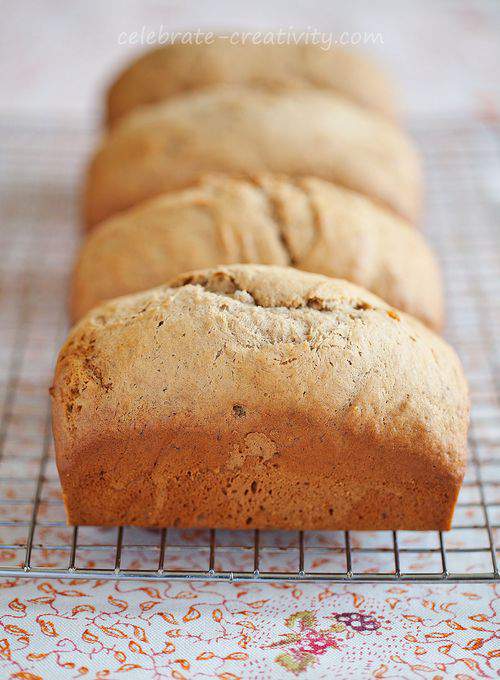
x=56 y=56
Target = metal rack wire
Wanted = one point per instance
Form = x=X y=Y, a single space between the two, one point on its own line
x=37 y=238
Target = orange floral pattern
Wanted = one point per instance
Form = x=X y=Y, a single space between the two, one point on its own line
x=101 y=629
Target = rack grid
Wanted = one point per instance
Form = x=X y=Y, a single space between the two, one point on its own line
x=38 y=208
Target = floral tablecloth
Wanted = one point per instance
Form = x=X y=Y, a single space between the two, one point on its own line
x=103 y=629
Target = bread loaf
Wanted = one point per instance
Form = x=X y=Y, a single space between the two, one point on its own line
x=172 y=69
x=245 y=132
x=308 y=223
x=258 y=397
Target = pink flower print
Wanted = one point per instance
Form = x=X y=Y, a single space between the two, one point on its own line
x=315 y=642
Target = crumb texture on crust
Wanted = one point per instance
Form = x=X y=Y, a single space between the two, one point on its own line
x=172 y=69
x=308 y=223
x=257 y=396
x=243 y=132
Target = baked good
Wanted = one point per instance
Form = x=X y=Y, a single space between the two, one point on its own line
x=308 y=223
x=251 y=396
x=242 y=131
x=172 y=69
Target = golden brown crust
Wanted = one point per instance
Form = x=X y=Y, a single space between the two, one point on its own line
x=254 y=396
x=240 y=131
x=308 y=223
x=172 y=69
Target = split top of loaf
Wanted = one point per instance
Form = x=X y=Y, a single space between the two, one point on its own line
x=254 y=396
x=172 y=69
x=243 y=132
x=308 y=223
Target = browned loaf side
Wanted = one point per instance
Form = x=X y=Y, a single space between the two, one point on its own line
x=244 y=132
x=258 y=397
x=172 y=69
x=308 y=223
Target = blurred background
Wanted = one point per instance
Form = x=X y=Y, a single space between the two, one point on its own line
x=57 y=56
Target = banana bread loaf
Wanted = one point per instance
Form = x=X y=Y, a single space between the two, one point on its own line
x=171 y=69
x=308 y=223
x=258 y=397
x=244 y=132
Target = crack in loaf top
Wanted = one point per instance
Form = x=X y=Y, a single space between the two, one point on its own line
x=307 y=223
x=252 y=306
x=263 y=288
x=277 y=287
x=243 y=132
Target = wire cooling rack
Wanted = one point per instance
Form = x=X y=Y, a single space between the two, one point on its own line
x=38 y=209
